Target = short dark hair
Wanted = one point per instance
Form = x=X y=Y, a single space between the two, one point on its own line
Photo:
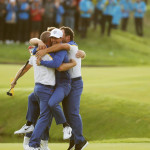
x=45 y=36
x=68 y=31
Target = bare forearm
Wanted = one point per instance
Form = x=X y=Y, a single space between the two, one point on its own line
x=66 y=66
x=58 y=47
x=34 y=41
x=21 y=72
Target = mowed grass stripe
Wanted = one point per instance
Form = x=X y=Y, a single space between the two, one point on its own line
x=91 y=146
x=114 y=104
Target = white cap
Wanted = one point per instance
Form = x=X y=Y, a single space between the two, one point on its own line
x=57 y=33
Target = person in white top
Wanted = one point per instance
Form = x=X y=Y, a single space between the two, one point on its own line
x=71 y=104
x=44 y=87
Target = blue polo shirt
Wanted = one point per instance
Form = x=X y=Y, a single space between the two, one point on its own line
x=58 y=58
x=139 y=6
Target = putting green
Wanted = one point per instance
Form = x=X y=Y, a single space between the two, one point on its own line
x=91 y=146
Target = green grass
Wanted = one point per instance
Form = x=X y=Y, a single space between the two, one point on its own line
x=121 y=49
x=114 y=106
x=91 y=146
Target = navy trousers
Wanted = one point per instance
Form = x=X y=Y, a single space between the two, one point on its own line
x=42 y=94
x=61 y=91
x=71 y=107
x=33 y=114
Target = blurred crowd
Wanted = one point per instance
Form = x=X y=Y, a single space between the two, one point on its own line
x=21 y=20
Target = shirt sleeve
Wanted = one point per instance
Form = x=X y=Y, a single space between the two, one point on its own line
x=31 y=60
x=57 y=60
x=34 y=51
x=73 y=48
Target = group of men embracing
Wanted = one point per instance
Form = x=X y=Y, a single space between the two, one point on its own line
x=57 y=74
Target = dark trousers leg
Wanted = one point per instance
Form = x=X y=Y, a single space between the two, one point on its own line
x=109 y=20
x=99 y=19
x=103 y=22
x=95 y=18
x=124 y=24
x=10 y=31
x=139 y=26
x=77 y=18
x=84 y=26
x=2 y=24
x=71 y=107
x=23 y=30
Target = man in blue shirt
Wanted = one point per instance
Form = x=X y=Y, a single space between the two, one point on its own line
x=86 y=9
x=108 y=9
x=63 y=81
x=2 y=20
x=23 y=21
x=139 y=11
x=126 y=7
x=71 y=104
x=116 y=16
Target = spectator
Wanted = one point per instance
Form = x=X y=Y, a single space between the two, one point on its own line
x=117 y=15
x=126 y=6
x=86 y=9
x=77 y=16
x=98 y=12
x=108 y=10
x=23 y=21
x=49 y=15
x=11 y=20
x=139 y=8
x=36 y=18
x=70 y=10
x=59 y=10
x=2 y=19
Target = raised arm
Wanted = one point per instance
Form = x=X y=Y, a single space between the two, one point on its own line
x=67 y=66
x=55 y=63
x=37 y=42
x=20 y=73
x=54 y=48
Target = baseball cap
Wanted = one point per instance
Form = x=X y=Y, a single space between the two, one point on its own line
x=57 y=33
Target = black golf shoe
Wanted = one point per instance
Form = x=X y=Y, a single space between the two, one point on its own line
x=81 y=145
x=71 y=145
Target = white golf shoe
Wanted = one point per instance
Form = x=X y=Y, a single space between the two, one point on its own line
x=32 y=148
x=44 y=145
x=25 y=129
x=67 y=132
x=26 y=142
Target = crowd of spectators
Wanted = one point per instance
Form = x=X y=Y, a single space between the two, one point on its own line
x=21 y=20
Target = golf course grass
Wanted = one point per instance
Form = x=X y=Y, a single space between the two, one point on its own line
x=114 y=105
x=91 y=146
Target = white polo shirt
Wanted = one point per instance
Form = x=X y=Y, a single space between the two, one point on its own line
x=42 y=74
x=75 y=71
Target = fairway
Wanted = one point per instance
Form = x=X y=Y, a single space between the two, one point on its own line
x=115 y=105
x=91 y=146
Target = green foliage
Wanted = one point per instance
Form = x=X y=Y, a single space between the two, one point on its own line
x=114 y=105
